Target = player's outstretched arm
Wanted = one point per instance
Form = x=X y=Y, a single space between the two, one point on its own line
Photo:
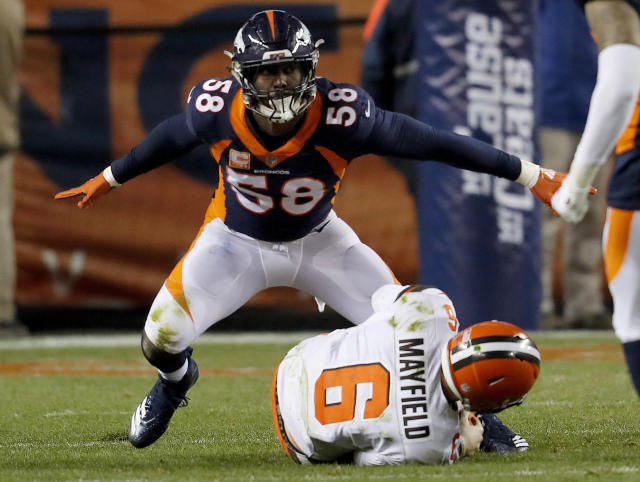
x=92 y=190
x=399 y=135
x=170 y=139
x=617 y=28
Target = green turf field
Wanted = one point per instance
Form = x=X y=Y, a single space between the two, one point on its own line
x=66 y=403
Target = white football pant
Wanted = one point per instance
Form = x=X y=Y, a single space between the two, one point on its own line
x=223 y=269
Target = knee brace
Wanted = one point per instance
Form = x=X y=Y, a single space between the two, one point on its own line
x=164 y=361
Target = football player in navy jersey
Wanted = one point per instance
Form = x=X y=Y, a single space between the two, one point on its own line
x=282 y=139
x=614 y=115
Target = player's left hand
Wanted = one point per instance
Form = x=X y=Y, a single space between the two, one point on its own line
x=549 y=182
x=471 y=430
x=93 y=189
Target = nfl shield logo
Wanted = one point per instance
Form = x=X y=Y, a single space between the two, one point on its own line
x=271 y=160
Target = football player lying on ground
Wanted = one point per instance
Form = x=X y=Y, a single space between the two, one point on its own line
x=403 y=387
x=282 y=139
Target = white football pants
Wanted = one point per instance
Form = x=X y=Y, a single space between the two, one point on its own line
x=223 y=269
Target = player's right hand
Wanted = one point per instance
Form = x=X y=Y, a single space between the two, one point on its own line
x=471 y=430
x=93 y=189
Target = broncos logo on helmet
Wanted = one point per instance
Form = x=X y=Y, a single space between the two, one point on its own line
x=275 y=37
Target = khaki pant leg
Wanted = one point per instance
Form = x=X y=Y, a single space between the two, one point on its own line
x=583 y=263
x=558 y=147
x=7 y=251
x=582 y=259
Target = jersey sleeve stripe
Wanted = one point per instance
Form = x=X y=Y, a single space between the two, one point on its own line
x=617 y=241
x=218 y=148
x=338 y=164
x=291 y=148
x=217 y=206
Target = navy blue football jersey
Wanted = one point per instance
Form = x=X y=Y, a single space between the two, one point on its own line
x=282 y=194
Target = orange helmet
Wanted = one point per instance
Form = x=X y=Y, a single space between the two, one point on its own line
x=490 y=366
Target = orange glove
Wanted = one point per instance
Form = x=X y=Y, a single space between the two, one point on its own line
x=93 y=189
x=549 y=181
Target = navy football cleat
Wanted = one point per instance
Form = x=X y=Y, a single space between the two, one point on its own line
x=497 y=437
x=152 y=417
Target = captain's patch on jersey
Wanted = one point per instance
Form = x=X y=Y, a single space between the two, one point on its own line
x=239 y=159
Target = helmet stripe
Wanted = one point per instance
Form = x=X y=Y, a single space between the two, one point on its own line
x=516 y=348
x=271 y=23
x=494 y=355
x=524 y=342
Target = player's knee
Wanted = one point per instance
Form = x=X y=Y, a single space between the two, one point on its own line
x=161 y=359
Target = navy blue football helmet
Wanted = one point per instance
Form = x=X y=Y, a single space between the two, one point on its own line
x=274 y=37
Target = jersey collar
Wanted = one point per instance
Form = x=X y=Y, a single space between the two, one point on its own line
x=290 y=148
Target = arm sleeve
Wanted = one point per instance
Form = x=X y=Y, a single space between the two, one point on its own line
x=170 y=139
x=399 y=135
x=610 y=109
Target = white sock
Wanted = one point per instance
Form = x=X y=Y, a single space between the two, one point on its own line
x=177 y=375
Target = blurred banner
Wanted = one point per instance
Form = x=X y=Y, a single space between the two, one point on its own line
x=480 y=235
x=97 y=76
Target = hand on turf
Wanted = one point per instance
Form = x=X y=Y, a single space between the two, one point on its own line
x=549 y=182
x=471 y=430
x=93 y=189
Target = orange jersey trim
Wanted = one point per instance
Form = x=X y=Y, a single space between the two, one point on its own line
x=627 y=140
x=218 y=148
x=338 y=164
x=217 y=207
x=617 y=241
x=274 y=411
x=293 y=145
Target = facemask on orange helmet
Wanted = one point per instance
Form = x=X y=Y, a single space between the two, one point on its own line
x=490 y=366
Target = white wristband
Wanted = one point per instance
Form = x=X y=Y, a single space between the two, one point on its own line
x=529 y=174
x=108 y=175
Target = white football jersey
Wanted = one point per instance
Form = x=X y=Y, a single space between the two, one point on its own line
x=374 y=390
